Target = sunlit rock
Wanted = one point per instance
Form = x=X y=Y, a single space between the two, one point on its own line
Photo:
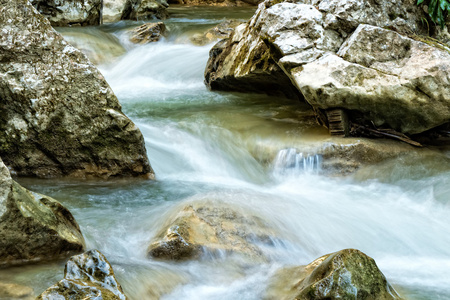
x=69 y=12
x=86 y=276
x=210 y=227
x=148 y=33
x=59 y=115
x=34 y=227
x=388 y=78
x=346 y=274
x=342 y=56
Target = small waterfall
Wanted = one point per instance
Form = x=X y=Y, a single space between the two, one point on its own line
x=288 y=161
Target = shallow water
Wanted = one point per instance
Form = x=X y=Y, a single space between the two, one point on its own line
x=208 y=146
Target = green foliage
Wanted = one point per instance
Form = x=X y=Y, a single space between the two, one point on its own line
x=437 y=9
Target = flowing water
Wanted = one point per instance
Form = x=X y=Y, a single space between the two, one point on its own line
x=249 y=152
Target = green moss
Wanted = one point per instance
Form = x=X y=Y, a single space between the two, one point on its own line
x=431 y=42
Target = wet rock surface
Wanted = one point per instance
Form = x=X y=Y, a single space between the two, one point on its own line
x=210 y=227
x=346 y=274
x=220 y=31
x=70 y=12
x=59 y=115
x=86 y=276
x=34 y=227
x=145 y=10
x=148 y=33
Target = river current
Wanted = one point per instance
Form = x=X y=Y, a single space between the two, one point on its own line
x=245 y=150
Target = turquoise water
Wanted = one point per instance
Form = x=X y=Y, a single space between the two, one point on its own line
x=223 y=147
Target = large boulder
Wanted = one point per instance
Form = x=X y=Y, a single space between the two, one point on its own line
x=388 y=78
x=248 y=60
x=86 y=276
x=116 y=10
x=59 y=115
x=34 y=227
x=70 y=12
x=243 y=63
x=210 y=227
x=321 y=46
x=346 y=274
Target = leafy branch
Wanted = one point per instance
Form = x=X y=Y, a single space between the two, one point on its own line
x=437 y=9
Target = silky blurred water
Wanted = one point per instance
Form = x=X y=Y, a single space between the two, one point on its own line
x=244 y=150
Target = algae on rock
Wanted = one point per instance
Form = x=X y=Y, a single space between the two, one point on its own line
x=59 y=115
x=34 y=227
x=346 y=274
x=86 y=276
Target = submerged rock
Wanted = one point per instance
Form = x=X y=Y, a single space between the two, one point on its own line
x=213 y=227
x=70 y=12
x=148 y=33
x=59 y=115
x=11 y=291
x=34 y=227
x=220 y=31
x=86 y=276
x=346 y=274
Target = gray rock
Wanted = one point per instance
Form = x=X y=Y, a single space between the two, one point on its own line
x=148 y=33
x=243 y=63
x=34 y=227
x=391 y=79
x=145 y=10
x=70 y=12
x=86 y=276
x=112 y=10
x=346 y=274
x=59 y=115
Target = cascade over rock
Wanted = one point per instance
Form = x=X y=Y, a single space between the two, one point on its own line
x=59 y=115
x=340 y=56
x=70 y=12
x=86 y=276
x=210 y=226
x=148 y=33
x=33 y=227
x=346 y=274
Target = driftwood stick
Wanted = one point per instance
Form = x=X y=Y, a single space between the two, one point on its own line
x=390 y=133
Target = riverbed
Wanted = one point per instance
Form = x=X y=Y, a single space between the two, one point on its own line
x=228 y=147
